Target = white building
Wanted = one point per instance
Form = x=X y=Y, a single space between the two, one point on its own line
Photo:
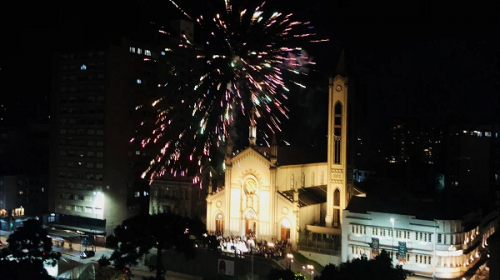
x=429 y=239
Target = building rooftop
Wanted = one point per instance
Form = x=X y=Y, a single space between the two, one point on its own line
x=309 y=196
x=432 y=209
x=291 y=155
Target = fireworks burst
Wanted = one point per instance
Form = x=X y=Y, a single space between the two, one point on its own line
x=252 y=61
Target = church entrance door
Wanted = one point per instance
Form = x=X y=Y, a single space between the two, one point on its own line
x=250 y=222
x=250 y=226
x=285 y=230
x=285 y=234
x=219 y=224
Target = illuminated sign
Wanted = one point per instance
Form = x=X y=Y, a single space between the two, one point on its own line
x=452 y=252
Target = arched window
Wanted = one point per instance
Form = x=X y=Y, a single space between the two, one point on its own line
x=322 y=178
x=336 y=198
x=338 y=108
x=303 y=180
x=292 y=182
x=312 y=179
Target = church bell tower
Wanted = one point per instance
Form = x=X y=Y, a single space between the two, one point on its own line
x=337 y=145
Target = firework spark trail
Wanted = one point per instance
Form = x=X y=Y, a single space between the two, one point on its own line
x=179 y=8
x=248 y=59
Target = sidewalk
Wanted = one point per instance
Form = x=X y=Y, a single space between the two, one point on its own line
x=296 y=266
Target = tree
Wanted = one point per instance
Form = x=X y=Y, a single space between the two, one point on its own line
x=329 y=272
x=103 y=261
x=282 y=274
x=110 y=273
x=380 y=268
x=30 y=247
x=168 y=231
x=111 y=242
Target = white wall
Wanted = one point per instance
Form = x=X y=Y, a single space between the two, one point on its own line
x=321 y=258
x=284 y=175
x=309 y=215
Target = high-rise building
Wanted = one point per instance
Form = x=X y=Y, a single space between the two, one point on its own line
x=412 y=142
x=180 y=196
x=95 y=171
x=473 y=159
x=23 y=171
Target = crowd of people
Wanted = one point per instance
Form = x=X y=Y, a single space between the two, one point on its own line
x=250 y=244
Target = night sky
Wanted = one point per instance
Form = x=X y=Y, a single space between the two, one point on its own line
x=434 y=62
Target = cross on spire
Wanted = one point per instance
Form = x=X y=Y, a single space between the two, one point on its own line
x=253 y=128
x=252 y=120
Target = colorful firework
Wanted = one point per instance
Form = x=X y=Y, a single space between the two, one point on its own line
x=252 y=61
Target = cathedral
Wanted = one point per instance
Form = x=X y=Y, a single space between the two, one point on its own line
x=310 y=204
x=277 y=201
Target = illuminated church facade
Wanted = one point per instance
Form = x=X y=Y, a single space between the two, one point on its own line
x=277 y=202
x=299 y=201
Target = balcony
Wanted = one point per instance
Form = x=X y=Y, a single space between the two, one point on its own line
x=320 y=241
x=388 y=242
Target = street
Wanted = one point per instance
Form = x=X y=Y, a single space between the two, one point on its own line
x=74 y=255
x=71 y=259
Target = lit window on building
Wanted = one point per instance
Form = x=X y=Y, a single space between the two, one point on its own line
x=139 y=81
x=139 y=51
x=132 y=49
x=83 y=67
x=162 y=53
x=137 y=194
x=147 y=52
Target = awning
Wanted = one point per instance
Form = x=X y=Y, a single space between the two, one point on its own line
x=62 y=234
x=85 y=230
x=310 y=195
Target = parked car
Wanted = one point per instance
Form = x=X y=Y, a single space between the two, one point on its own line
x=87 y=254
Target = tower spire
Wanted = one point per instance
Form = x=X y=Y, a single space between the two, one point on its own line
x=337 y=142
x=341 y=65
x=253 y=129
x=274 y=149
x=229 y=147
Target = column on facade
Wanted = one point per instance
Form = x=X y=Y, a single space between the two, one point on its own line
x=273 y=209
x=329 y=192
x=227 y=190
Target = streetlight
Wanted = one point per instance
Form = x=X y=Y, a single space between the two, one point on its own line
x=392 y=222
x=290 y=260
x=311 y=271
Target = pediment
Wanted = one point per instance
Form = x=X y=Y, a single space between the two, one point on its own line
x=250 y=152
